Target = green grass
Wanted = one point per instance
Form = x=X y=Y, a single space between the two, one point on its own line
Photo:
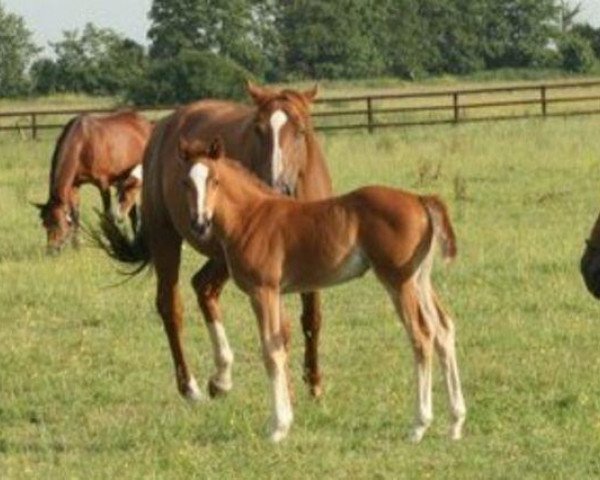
x=86 y=381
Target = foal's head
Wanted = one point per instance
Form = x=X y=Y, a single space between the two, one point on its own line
x=282 y=122
x=58 y=222
x=201 y=181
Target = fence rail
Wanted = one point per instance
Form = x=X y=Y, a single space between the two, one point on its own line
x=370 y=112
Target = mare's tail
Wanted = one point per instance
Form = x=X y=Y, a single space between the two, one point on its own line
x=121 y=245
x=442 y=226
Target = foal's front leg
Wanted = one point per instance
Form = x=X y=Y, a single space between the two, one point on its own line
x=266 y=305
x=208 y=283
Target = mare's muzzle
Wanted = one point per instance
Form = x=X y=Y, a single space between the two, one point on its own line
x=590 y=269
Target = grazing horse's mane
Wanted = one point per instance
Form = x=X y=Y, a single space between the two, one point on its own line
x=56 y=154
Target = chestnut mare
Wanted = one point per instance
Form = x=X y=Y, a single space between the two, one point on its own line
x=272 y=247
x=275 y=140
x=590 y=261
x=104 y=151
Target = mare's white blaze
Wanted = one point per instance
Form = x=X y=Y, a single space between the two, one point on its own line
x=198 y=174
x=278 y=120
x=137 y=172
x=223 y=356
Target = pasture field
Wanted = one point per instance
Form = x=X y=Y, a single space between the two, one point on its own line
x=86 y=381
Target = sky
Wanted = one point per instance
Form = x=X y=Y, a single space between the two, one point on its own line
x=47 y=19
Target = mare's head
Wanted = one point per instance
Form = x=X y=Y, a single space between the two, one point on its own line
x=57 y=220
x=282 y=123
x=201 y=181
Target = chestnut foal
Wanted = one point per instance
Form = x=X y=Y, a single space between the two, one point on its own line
x=276 y=245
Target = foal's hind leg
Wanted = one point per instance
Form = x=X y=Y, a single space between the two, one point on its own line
x=311 y=327
x=208 y=283
x=166 y=254
x=421 y=335
x=445 y=346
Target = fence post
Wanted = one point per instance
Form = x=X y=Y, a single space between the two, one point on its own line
x=34 y=128
x=370 y=114
x=455 y=105
x=543 y=99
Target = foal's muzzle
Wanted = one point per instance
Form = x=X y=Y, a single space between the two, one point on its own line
x=201 y=226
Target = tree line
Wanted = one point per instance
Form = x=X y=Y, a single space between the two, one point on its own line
x=205 y=47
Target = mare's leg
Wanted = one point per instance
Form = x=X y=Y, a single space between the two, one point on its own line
x=208 y=283
x=266 y=305
x=166 y=254
x=311 y=327
x=421 y=334
x=445 y=347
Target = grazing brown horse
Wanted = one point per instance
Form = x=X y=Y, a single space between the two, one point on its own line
x=590 y=261
x=275 y=140
x=104 y=151
x=271 y=248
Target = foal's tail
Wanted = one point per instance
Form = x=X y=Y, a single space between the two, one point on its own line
x=442 y=226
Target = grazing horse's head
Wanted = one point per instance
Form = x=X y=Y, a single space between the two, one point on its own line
x=57 y=220
x=201 y=181
x=282 y=122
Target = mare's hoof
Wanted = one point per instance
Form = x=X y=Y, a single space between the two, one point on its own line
x=191 y=392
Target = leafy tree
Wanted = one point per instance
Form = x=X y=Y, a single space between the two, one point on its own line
x=16 y=52
x=517 y=32
x=331 y=39
x=190 y=75
x=576 y=52
x=591 y=34
x=240 y=30
x=97 y=61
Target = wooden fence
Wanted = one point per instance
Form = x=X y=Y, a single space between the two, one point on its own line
x=370 y=112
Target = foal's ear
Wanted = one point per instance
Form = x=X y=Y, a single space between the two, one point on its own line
x=39 y=206
x=189 y=150
x=216 y=149
x=311 y=94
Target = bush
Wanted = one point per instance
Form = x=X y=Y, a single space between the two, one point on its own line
x=576 y=53
x=190 y=75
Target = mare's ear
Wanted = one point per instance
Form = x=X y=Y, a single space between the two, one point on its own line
x=39 y=206
x=216 y=149
x=311 y=94
x=257 y=93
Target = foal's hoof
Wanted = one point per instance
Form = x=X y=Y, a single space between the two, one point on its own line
x=316 y=391
x=216 y=390
x=417 y=434
x=279 y=434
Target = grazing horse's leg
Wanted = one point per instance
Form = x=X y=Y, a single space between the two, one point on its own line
x=74 y=208
x=445 y=347
x=311 y=327
x=421 y=334
x=106 y=200
x=166 y=255
x=266 y=305
x=208 y=283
